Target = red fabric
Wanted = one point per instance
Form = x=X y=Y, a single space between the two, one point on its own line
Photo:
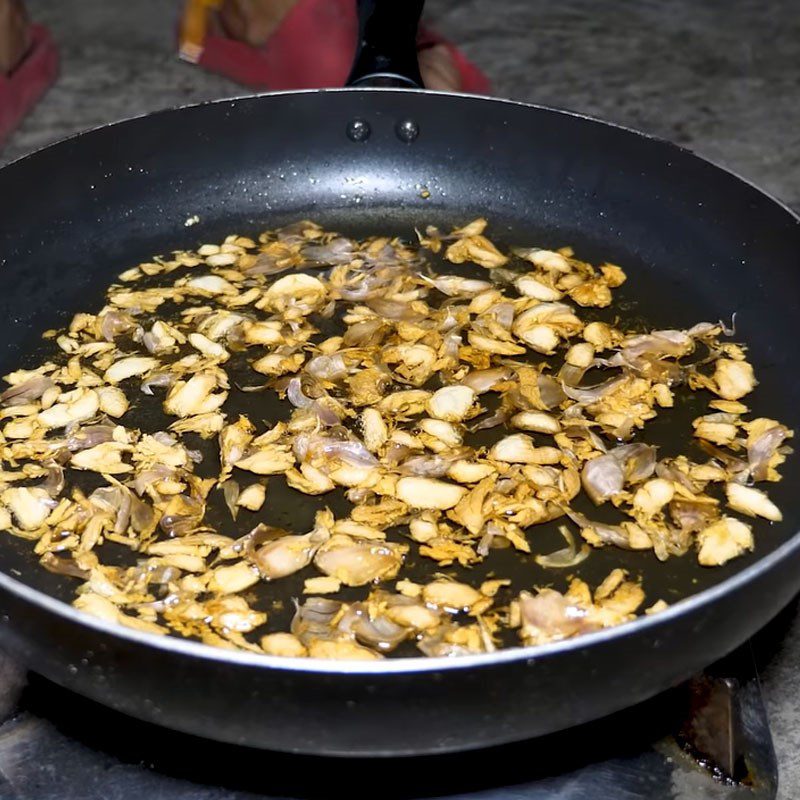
x=311 y=48
x=473 y=81
x=22 y=89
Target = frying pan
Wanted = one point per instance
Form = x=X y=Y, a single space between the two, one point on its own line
x=696 y=241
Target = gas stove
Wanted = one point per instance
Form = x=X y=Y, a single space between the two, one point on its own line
x=708 y=738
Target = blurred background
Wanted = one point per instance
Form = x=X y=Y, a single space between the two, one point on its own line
x=722 y=78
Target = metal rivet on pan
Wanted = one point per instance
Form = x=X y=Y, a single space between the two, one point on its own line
x=358 y=130
x=407 y=130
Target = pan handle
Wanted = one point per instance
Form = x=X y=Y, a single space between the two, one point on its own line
x=387 y=44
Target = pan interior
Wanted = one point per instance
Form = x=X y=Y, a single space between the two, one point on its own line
x=697 y=244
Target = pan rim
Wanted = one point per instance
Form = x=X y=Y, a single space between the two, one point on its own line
x=417 y=664
x=417 y=92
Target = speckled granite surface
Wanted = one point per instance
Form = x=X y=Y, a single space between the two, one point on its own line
x=722 y=78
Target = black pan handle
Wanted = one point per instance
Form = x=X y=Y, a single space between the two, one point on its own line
x=387 y=44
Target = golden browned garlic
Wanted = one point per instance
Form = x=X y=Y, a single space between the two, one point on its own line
x=450 y=413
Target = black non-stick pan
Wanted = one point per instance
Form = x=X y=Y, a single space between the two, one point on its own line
x=697 y=242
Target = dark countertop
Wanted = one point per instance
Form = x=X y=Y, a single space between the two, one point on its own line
x=720 y=78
